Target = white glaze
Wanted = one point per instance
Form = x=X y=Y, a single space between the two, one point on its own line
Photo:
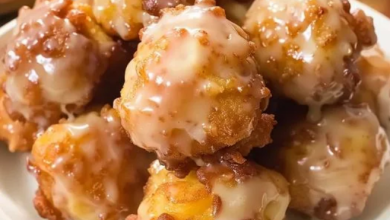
x=179 y=58
x=91 y=162
x=302 y=59
x=249 y=199
x=339 y=159
x=49 y=63
x=262 y=196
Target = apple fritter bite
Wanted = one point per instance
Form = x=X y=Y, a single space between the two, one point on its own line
x=226 y=191
x=331 y=165
x=307 y=49
x=55 y=62
x=193 y=87
x=88 y=169
x=375 y=85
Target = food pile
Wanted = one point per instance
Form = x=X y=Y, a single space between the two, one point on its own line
x=183 y=110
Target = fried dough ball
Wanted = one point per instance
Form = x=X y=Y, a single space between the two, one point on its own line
x=193 y=87
x=375 y=85
x=122 y=18
x=55 y=62
x=225 y=191
x=331 y=165
x=88 y=169
x=307 y=48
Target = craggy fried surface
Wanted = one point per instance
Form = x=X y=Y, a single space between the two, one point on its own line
x=184 y=105
x=39 y=78
x=194 y=94
x=57 y=62
x=120 y=18
x=260 y=136
x=18 y=134
x=213 y=196
x=45 y=208
x=88 y=169
x=154 y=7
x=307 y=49
x=331 y=165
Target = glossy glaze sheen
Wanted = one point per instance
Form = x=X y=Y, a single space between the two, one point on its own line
x=307 y=48
x=120 y=17
x=16 y=198
x=333 y=165
x=261 y=196
x=193 y=86
x=52 y=64
x=88 y=169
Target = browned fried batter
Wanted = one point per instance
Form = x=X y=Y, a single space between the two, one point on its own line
x=120 y=18
x=58 y=61
x=185 y=105
x=364 y=29
x=154 y=7
x=18 y=134
x=88 y=169
x=263 y=193
x=44 y=208
x=331 y=165
x=308 y=49
x=260 y=136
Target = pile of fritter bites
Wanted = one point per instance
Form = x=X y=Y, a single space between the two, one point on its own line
x=162 y=109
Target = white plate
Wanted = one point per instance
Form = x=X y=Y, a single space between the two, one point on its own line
x=17 y=186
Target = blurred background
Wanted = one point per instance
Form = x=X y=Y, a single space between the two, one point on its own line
x=9 y=8
x=380 y=5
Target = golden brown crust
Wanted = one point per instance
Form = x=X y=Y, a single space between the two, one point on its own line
x=44 y=37
x=154 y=7
x=119 y=18
x=16 y=132
x=88 y=167
x=229 y=164
x=210 y=101
x=45 y=208
x=39 y=83
x=260 y=136
x=207 y=192
x=364 y=29
x=308 y=49
x=332 y=165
